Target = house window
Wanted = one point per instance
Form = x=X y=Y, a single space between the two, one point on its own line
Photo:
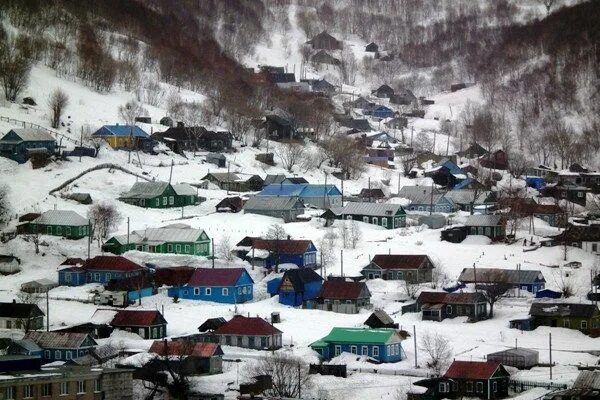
x=228 y=340
x=469 y=387
x=579 y=194
x=251 y=343
x=187 y=248
x=364 y=350
x=177 y=248
x=164 y=200
x=171 y=200
x=263 y=342
x=108 y=276
x=59 y=230
x=240 y=341
x=192 y=200
x=449 y=309
x=143 y=202
x=154 y=333
x=97 y=277
x=239 y=290
x=47 y=354
x=244 y=289
x=375 y=351
x=374 y=221
x=208 y=291
x=349 y=217
x=584 y=325
x=27 y=391
x=495 y=386
x=47 y=389
x=80 y=387
x=384 y=222
x=67 y=277
x=49 y=230
x=57 y=355
x=337 y=350
x=444 y=387
x=97 y=385
x=479 y=387
x=366 y=220
x=170 y=248
x=68 y=231
x=225 y=292
x=459 y=310
x=9 y=393
x=594 y=247
x=196 y=291
x=68 y=355
x=566 y=323
x=157 y=202
x=353 y=350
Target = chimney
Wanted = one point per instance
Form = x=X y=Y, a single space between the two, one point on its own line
x=14 y=301
x=180 y=124
x=289 y=237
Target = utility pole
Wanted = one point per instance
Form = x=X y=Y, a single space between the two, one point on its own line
x=212 y=241
x=342 y=261
x=127 y=233
x=519 y=280
x=171 y=172
x=89 y=238
x=550 y=349
x=299 y=385
x=228 y=177
x=431 y=200
x=47 y=311
x=415 y=339
x=369 y=188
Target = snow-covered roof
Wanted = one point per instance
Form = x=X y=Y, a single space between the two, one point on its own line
x=168 y=234
x=146 y=190
x=61 y=217
x=183 y=189
x=372 y=209
x=32 y=135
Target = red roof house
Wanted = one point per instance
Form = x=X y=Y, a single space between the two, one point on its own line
x=193 y=357
x=111 y=263
x=416 y=268
x=148 y=324
x=249 y=332
x=343 y=296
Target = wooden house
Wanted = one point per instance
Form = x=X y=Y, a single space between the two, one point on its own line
x=468 y=200
x=585 y=237
x=341 y=296
x=81 y=198
x=380 y=111
x=582 y=317
x=426 y=198
x=270 y=253
x=191 y=358
x=325 y=41
x=147 y=324
x=173 y=276
x=383 y=345
x=437 y=306
x=454 y=234
x=383 y=91
x=286 y=208
x=585 y=387
x=496 y=160
x=492 y=226
x=486 y=380
x=170 y=239
x=230 y=204
x=65 y=223
x=390 y=216
x=403 y=97
x=280 y=125
x=20 y=144
x=397 y=123
x=323 y=57
x=15 y=315
x=61 y=346
x=100 y=269
x=212 y=324
x=475 y=150
x=235 y=182
x=318 y=195
x=157 y=194
x=296 y=287
x=249 y=332
x=573 y=193
x=528 y=280
x=215 y=141
x=517 y=357
x=122 y=136
x=371 y=195
x=411 y=268
x=380 y=319
x=446 y=173
x=220 y=285
x=192 y=138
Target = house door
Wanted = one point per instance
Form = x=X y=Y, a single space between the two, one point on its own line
x=554 y=323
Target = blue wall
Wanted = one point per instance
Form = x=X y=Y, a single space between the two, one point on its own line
x=50 y=355
x=81 y=278
x=295 y=299
x=136 y=294
x=77 y=278
x=241 y=292
x=297 y=259
x=329 y=351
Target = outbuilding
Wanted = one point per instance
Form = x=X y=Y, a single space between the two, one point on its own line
x=516 y=357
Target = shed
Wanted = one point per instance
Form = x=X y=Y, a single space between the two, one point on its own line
x=372 y=48
x=81 y=198
x=9 y=264
x=434 y=221
x=167 y=121
x=380 y=319
x=217 y=159
x=517 y=357
x=230 y=204
x=454 y=234
x=548 y=294
x=38 y=286
x=212 y=324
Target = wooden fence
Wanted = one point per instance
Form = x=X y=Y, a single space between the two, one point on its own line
x=31 y=125
x=519 y=386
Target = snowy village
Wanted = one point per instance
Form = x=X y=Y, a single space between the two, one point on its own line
x=309 y=199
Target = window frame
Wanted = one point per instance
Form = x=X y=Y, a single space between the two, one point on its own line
x=80 y=386
x=63 y=388
x=208 y=291
x=28 y=391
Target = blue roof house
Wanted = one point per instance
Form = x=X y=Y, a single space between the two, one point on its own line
x=221 y=285
x=535 y=182
x=296 y=287
x=122 y=136
x=379 y=111
x=383 y=345
x=322 y=196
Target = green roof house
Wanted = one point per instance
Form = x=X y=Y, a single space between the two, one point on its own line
x=383 y=345
x=160 y=195
x=389 y=216
x=63 y=223
x=171 y=239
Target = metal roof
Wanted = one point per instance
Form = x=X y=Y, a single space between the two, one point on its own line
x=563 y=310
x=61 y=217
x=518 y=352
x=267 y=203
x=19 y=310
x=146 y=190
x=184 y=189
x=359 y=335
x=121 y=130
x=58 y=340
x=491 y=275
x=300 y=189
x=373 y=209
x=483 y=220
x=587 y=380
x=32 y=135
x=162 y=235
x=467 y=196
x=420 y=194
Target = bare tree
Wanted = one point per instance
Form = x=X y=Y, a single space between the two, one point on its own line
x=355 y=234
x=168 y=373
x=564 y=282
x=548 y=4
x=128 y=113
x=277 y=234
x=26 y=322
x=439 y=350
x=411 y=288
x=15 y=64
x=327 y=246
x=289 y=374
x=105 y=218
x=5 y=208
x=224 y=248
x=345 y=153
x=493 y=291
x=344 y=234
x=35 y=239
x=290 y=153
x=348 y=67
x=57 y=102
